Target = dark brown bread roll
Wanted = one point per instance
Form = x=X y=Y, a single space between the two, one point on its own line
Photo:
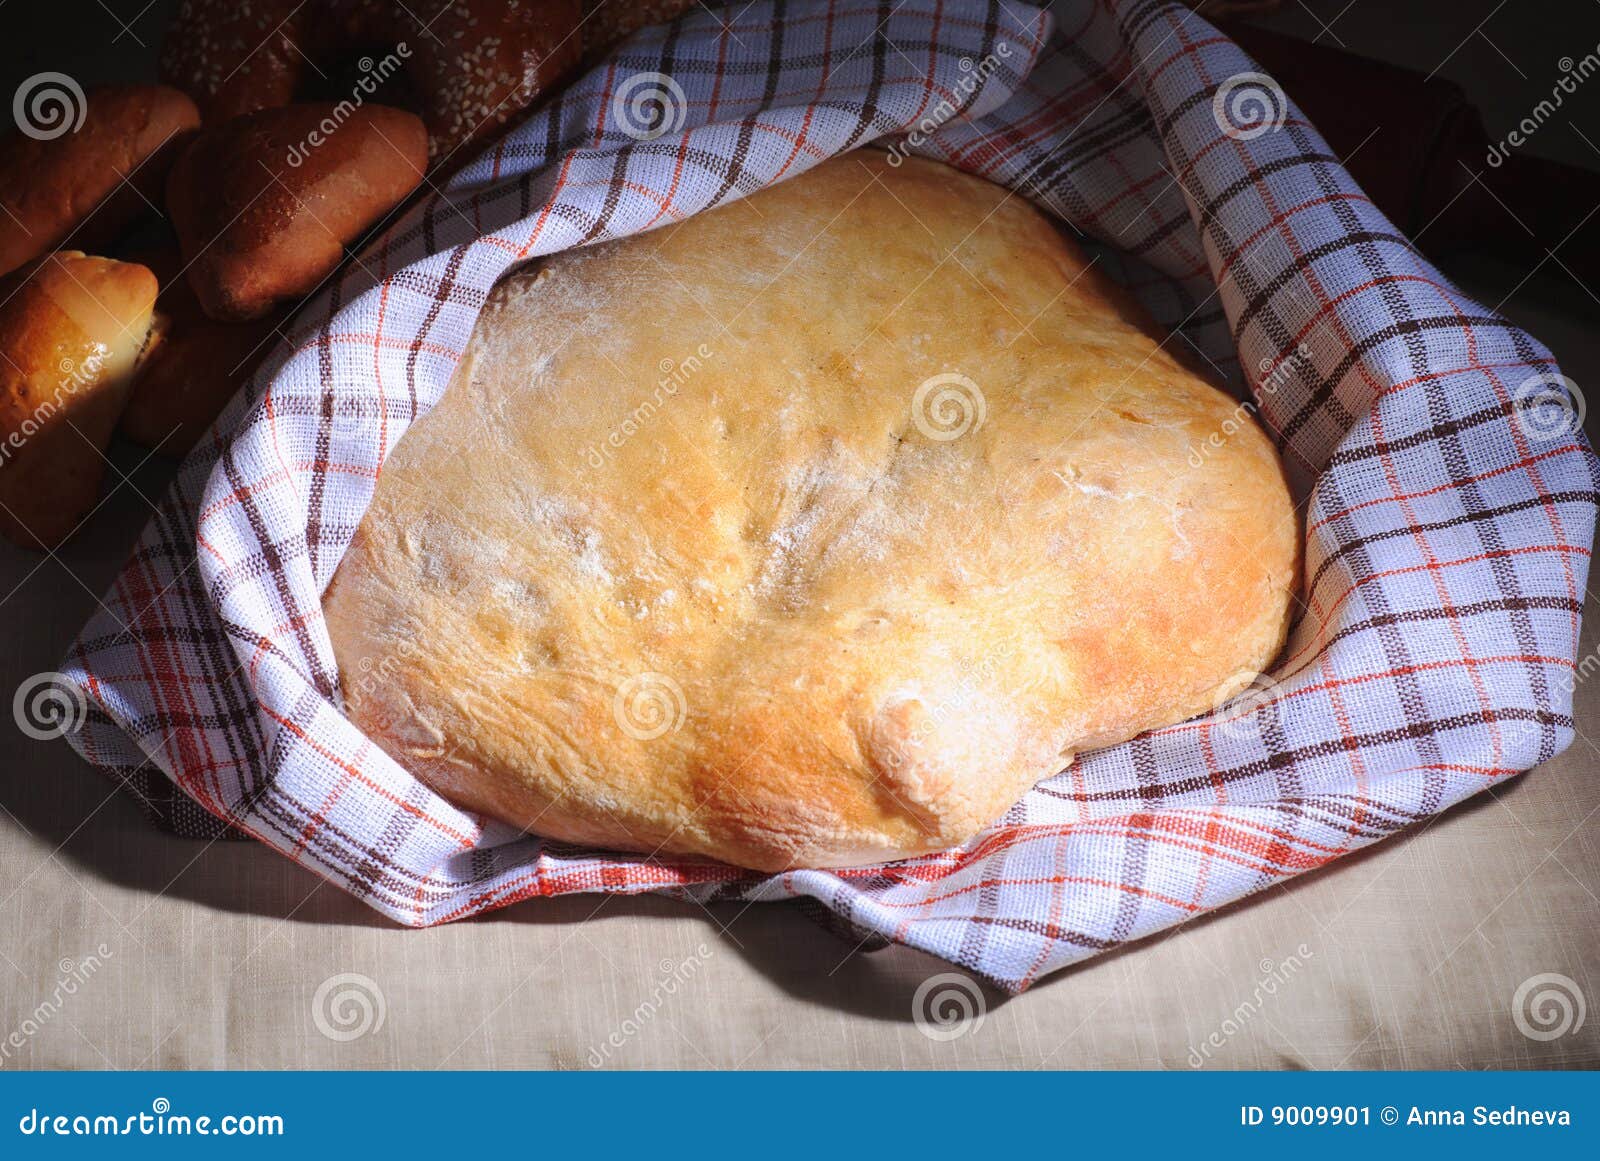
x=605 y=22
x=49 y=186
x=468 y=66
x=235 y=58
x=196 y=368
x=474 y=65
x=265 y=204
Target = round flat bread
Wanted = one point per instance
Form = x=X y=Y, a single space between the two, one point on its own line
x=811 y=531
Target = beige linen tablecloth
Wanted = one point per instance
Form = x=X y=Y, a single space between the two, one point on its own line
x=121 y=947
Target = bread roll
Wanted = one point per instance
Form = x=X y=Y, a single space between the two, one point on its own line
x=190 y=377
x=236 y=58
x=472 y=65
x=606 y=22
x=48 y=187
x=810 y=532
x=265 y=204
x=469 y=66
x=72 y=333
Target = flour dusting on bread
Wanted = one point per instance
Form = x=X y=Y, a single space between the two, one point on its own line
x=774 y=537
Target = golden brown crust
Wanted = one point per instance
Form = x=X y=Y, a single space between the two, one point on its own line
x=48 y=187
x=264 y=205
x=811 y=531
x=73 y=332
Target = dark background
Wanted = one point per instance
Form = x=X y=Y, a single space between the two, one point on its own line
x=1503 y=53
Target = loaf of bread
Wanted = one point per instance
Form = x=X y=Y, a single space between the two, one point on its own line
x=73 y=331
x=812 y=531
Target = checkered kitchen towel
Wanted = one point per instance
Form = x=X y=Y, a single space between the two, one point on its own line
x=1447 y=533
